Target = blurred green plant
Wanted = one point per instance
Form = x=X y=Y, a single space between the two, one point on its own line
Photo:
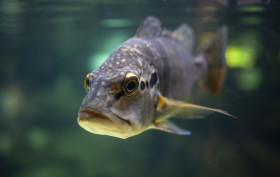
x=249 y=79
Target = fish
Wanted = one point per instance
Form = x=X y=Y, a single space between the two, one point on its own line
x=147 y=80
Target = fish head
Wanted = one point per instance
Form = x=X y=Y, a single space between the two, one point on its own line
x=118 y=103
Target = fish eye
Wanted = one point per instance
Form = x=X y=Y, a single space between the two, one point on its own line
x=86 y=83
x=131 y=84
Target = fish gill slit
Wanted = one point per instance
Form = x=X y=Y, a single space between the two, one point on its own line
x=147 y=84
x=153 y=79
x=142 y=85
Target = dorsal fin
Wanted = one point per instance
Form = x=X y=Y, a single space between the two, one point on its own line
x=184 y=34
x=149 y=27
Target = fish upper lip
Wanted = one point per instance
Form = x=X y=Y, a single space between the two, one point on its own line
x=106 y=114
x=93 y=113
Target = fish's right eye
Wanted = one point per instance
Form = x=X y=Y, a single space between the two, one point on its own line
x=131 y=84
x=86 y=83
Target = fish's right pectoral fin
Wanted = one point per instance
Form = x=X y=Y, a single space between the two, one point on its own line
x=168 y=107
x=168 y=126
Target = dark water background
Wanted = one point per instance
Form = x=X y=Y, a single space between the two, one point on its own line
x=48 y=46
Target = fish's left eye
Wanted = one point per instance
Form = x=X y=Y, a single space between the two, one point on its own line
x=131 y=84
x=86 y=83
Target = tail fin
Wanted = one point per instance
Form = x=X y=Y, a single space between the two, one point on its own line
x=214 y=52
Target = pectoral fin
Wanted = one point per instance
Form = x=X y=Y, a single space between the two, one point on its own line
x=168 y=126
x=168 y=107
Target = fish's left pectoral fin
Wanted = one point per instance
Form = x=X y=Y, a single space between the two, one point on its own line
x=168 y=107
x=168 y=126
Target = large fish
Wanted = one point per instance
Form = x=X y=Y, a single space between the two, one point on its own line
x=146 y=79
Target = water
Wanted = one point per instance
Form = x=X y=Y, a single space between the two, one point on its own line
x=47 y=48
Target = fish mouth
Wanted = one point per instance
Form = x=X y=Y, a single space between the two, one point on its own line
x=102 y=121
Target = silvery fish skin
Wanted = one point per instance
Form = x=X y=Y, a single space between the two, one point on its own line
x=146 y=79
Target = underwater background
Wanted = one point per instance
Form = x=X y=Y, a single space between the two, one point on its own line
x=48 y=46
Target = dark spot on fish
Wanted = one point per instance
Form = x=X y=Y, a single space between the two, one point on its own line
x=153 y=79
x=147 y=84
x=119 y=95
x=142 y=85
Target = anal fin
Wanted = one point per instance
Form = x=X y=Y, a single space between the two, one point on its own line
x=168 y=126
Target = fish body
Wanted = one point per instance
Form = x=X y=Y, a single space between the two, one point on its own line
x=146 y=79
